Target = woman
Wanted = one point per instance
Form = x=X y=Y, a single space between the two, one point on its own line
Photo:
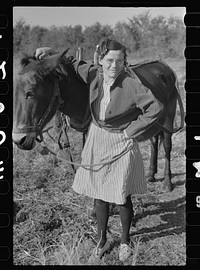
x=122 y=109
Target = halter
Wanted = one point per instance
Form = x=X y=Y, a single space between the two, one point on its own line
x=38 y=127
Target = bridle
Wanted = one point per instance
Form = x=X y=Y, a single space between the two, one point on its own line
x=38 y=127
x=60 y=102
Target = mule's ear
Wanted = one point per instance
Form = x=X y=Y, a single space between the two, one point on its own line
x=50 y=63
x=25 y=60
x=63 y=53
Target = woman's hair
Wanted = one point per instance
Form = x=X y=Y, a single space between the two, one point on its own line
x=106 y=45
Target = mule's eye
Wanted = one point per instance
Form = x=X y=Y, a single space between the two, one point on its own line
x=29 y=94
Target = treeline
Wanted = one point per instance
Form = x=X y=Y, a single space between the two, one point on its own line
x=142 y=35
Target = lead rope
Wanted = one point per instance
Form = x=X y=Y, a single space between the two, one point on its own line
x=46 y=151
x=65 y=127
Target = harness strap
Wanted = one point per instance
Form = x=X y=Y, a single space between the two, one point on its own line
x=65 y=128
x=86 y=121
x=38 y=127
x=56 y=93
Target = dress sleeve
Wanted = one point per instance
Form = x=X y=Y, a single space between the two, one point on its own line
x=84 y=70
x=151 y=111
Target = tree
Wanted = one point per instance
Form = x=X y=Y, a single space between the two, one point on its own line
x=20 y=36
x=120 y=33
x=142 y=35
x=92 y=36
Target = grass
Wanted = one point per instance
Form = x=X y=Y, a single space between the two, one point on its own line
x=52 y=224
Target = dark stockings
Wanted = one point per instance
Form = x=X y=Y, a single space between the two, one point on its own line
x=126 y=214
x=102 y=214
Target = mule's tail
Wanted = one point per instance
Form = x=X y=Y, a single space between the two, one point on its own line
x=182 y=113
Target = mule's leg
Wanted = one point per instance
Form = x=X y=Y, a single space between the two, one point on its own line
x=167 y=140
x=93 y=212
x=58 y=121
x=167 y=144
x=153 y=159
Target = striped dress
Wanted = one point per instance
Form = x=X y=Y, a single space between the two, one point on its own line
x=112 y=182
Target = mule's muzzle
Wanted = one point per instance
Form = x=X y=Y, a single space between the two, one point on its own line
x=24 y=141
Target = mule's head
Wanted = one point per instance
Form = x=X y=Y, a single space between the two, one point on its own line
x=36 y=98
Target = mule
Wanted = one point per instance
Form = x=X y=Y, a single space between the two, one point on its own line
x=45 y=86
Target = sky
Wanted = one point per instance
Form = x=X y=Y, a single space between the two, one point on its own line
x=87 y=16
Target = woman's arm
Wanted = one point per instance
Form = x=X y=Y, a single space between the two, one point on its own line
x=151 y=109
x=81 y=67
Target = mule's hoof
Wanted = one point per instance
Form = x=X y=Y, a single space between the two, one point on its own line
x=168 y=187
x=151 y=179
x=93 y=214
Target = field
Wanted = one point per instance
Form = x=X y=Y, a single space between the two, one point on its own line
x=52 y=224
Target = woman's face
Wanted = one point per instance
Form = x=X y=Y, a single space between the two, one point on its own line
x=112 y=63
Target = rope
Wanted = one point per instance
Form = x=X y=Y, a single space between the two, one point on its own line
x=46 y=150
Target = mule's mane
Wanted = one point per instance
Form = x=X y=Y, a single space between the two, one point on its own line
x=65 y=66
x=31 y=68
